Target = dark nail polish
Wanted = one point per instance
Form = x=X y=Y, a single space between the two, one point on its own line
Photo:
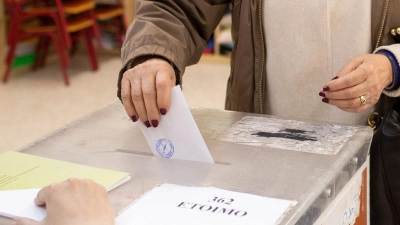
x=326 y=88
x=325 y=100
x=335 y=78
x=147 y=123
x=134 y=118
x=322 y=94
x=154 y=123
x=163 y=111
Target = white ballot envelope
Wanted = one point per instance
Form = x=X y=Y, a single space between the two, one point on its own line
x=177 y=136
x=175 y=204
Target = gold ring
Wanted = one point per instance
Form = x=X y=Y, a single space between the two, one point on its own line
x=363 y=100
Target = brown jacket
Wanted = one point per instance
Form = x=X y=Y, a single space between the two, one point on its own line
x=178 y=30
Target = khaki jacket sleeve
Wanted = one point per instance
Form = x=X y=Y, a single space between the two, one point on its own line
x=176 y=30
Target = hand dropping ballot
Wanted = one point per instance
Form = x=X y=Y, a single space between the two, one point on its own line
x=177 y=136
x=175 y=204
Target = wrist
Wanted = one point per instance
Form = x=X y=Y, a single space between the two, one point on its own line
x=144 y=58
x=395 y=70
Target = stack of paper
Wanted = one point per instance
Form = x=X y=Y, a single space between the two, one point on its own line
x=23 y=175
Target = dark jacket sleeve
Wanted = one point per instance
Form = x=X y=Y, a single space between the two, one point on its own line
x=176 y=30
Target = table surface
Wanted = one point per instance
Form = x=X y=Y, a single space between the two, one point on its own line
x=108 y=139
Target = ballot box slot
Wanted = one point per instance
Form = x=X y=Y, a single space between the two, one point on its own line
x=135 y=152
x=151 y=154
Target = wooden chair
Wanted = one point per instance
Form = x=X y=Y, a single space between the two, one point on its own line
x=112 y=16
x=78 y=20
x=18 y=32
x=54 y=27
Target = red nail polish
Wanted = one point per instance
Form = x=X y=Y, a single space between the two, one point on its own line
x=134 y=118
x=154 y=123
x=147 y=123
x=322 y=94
x=326 y=88
x=163 y=111
x=335 y=78
x=325 y=100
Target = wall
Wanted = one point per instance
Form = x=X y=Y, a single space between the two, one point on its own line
x=129 y=11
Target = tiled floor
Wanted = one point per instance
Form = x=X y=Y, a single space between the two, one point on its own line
x=33 y=103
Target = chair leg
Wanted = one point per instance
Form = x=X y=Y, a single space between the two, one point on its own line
x=91 y=50
x=96 y=28
x=74 y=48
x=42 y=50
x=39 y=52
x=62 y=57
x=117 y=26
x=10 y=59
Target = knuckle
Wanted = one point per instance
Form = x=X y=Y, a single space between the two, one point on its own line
x=87 y=181
x=149 y=92
x=349 y=81
x=128 y=108
x=368 y=68
x=355 y=103
x=125 y=95
x=376 y=88
x=162 y=83
x=353 y=62
x=54 y=186
x=129 y=73
x=136 y=94
x=73 y=181
x=351 y=93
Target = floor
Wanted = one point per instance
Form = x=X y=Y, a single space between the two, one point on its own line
x=34 y=103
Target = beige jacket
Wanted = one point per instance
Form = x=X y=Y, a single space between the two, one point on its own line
x=178 y=30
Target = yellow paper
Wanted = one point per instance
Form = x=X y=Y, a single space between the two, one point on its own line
x=24 y=171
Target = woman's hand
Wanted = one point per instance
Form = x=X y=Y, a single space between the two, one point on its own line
x=73 y=202
x=359 y=84
x=146 y=90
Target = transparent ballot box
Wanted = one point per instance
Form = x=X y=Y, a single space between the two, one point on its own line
x=322 y=167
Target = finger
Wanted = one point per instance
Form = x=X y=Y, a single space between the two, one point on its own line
x=150 y=99
x=127 y=99
x=165 y=80
x=350 y=66
x=42 y=196
x=45 y=193
x=352 y=79
x=346 y=93
x=346 y=103
x=345 y=78
x=138 y=102
x=25 y=221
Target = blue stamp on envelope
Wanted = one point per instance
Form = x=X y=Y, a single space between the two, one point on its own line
x=165 y=148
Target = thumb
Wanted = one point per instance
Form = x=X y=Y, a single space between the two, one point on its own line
x=25 y=221
x=350 y=66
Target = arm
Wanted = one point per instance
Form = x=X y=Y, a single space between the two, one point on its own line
x=165 y=37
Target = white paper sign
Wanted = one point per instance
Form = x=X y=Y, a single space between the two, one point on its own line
x=174 y=204
x=177 y=136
